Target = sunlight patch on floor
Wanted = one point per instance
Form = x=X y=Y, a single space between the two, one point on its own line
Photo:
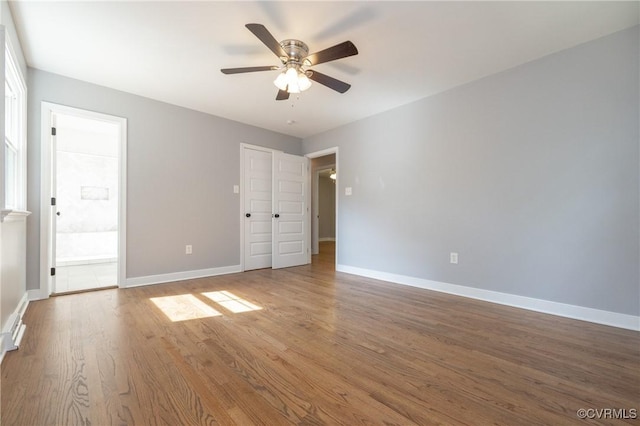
x=182 y=307
x=231 y=302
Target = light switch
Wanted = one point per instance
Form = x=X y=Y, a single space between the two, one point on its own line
x=347 y=191
x=236 y=189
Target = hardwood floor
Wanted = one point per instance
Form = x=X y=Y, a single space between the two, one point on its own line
x=308 y=345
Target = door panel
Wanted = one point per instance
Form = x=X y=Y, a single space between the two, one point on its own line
x=291 y=227
x=291 y=216
x=289 y=248
x=258 y=204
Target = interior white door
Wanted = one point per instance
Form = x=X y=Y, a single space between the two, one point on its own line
x=258 y=208
x=291 y=210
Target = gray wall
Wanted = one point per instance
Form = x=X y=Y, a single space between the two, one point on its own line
x=531 y=175
x=182 y=166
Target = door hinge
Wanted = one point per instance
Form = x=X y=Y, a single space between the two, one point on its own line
x=53 y=271
x=53 y=131
x=53 y=201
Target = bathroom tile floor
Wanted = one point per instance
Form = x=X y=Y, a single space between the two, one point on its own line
x=86 y=277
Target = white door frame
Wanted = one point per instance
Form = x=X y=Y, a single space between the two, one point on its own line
x=46 y=237
x=322 y=153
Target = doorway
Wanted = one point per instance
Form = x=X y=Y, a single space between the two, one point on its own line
x=325 y=178
x=84 y=208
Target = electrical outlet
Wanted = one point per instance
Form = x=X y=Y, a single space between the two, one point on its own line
x=188 y=249
x=453 y=258
x=348 y=191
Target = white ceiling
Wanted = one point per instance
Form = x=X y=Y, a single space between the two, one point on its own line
x=173 y=51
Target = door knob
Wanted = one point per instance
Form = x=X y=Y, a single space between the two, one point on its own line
x=276 y=215
x=58 y=213
x=248 y=215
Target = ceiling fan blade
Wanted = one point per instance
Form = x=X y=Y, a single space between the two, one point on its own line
x=283 y=95
x=246 y=69
x=265 y=37
x=330 y=82
x=338 y=51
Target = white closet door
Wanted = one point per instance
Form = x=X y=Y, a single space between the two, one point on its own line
x=258 y=209
x=290 y=208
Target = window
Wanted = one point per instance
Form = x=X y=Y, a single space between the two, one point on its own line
x=15 y=158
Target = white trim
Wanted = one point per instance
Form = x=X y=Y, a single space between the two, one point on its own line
x=47 y=109
x=14 y=329
x=307 y=202
x=181 y=276
x=16 y=65
x=598 y=316
x=3 y=342
x=13 y=66
x=322 y=153
x=12 y=215
x=36 y=294
x=45 y=196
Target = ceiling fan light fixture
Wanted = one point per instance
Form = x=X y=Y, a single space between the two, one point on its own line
x=303 y=82
x=281 y=81
x=293 y=80
x=293 y=88
x=292 y=75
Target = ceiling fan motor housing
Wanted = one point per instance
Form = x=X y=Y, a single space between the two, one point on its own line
x=296 y=50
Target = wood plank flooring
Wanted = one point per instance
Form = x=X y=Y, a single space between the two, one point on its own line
x=324 y=348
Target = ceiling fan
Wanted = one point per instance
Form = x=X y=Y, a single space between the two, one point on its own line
x=295 y=58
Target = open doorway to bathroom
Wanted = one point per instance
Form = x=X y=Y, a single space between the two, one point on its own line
x=85 y=181
x=83 y=200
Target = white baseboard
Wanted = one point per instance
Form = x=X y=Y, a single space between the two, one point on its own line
x=598 y=316
x=14 y=329
x=323 y=239
x=180 y=276
x=36 y=294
